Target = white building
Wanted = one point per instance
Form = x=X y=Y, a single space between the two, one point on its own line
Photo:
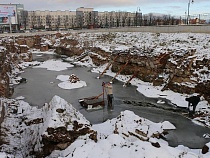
x=81 y=18
x=51 y=19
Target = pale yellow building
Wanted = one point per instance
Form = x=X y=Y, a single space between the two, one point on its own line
x=81 y=18
x=51 y=19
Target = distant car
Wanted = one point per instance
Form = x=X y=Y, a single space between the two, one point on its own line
x=77 y=28
x=21 y=31
x=15 y=31
x=6 y=31
x=33 y=30
x=48 y=29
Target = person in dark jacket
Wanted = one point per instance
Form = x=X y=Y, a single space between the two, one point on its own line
x=193 y=101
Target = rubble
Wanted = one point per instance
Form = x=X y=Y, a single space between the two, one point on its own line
x=73 y=78
x=58 y=124
x=181 y=70
x=53 y=127
x=178 y=69
x=11 y=55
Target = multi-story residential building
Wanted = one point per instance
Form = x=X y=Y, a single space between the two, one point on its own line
x=51 y=19
x=81 y=18
x=86 y=17
x=119 y=19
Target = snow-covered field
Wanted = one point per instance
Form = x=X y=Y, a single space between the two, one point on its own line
x=120 y=143
x=128 y=135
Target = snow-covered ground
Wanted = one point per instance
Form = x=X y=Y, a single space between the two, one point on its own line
x=54 y=65
x=66 y=84
x=114 y=136
x=128 y=135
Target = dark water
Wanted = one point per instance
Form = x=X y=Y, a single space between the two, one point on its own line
x=42 y=85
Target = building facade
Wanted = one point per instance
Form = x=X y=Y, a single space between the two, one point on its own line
x=50 y=19
x=81 y=18
x=84 y=18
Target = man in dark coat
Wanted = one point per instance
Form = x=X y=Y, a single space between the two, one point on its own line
x=193 y=101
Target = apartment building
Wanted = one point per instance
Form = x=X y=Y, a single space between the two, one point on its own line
x=119 y=19
x=86 y=17
x=51 y=19
x=81 y=18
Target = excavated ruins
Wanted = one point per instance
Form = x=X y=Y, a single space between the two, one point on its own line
x=147 y=67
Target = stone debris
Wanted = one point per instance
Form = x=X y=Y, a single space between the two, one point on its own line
x=73 y=78
x=38 y=132
x=178 y=69
x=53 y=127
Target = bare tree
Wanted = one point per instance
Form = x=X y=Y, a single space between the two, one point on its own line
x=145 y=20
x=111 y=20
x=106 y=22
x=58 y=22
x=24 y=20
x=48 y=21
x=124 y=18
x=66 y=20
x=150 y=18
x=33 y=19
x=39 y=22
x=118 y=18
x=129 y=21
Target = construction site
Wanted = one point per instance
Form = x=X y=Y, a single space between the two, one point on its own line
x=147 y=65
x=78 y=65
x=141 y=62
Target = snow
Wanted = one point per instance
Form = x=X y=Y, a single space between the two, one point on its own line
x=128 y=122
x=54 y=65
x=36 y=51
x=127 y=143
x=55 y=119
x=20 y=98
x=87 y=61
x=4 y=155
x=123 y=144
x=63 y=77
x=66 y=84
x=148 y=90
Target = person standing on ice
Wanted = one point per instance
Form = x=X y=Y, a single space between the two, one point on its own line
x=109 y=92
x=192 y=101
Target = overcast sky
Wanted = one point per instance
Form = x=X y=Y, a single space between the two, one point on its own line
x=172 y=7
